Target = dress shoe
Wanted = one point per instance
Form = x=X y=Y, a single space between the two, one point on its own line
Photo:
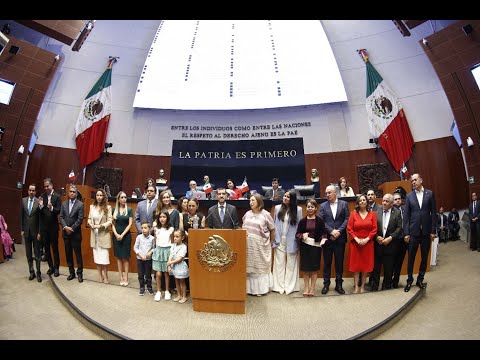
x=56 y=273
x=71 y=276
x=39 y=277
x=395 y=285
x=80 y=277
x=32 y=276
x=325 y=290
x=339 y=289
x=43 y=257
x=420 y=284
x=50 y=271
x=374 y=288
x=407 y=287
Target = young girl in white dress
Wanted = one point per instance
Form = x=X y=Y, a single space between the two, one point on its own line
x=177 y=265
x=163 y=239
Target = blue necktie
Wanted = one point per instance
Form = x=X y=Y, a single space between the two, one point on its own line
x=222 y=213
x=30 y=205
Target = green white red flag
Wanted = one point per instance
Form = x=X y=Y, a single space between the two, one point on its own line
x=387 y=120
x=92 y=123
x=244 y=187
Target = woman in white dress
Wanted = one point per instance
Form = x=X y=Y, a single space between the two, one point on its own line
x=285 y=262
x=99 y=221
x=260 y=234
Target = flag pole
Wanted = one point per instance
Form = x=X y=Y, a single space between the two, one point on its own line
x=84 y=171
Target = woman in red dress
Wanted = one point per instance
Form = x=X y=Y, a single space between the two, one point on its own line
x=362 y=228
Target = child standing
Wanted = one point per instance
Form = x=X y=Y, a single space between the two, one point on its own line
x=163 y=239
x=177 y=265
x=144 y=245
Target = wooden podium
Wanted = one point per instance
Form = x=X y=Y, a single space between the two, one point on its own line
x=389 y=187
x=218 y=289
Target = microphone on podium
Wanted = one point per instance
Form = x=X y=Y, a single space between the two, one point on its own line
x=230 y=216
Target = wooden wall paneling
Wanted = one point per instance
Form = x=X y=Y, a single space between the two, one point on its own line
x=464 y=51
x=64 y=31
x=33 y=75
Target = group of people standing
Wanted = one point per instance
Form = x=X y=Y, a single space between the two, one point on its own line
x=380 y=236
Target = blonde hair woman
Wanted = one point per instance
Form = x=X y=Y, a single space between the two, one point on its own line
x=99 y=221
x=122 y=238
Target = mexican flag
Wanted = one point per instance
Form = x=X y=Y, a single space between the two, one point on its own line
x=244 y=187
x=92 y=123
x=387 y=119
x=207 y=188
x=71 y=176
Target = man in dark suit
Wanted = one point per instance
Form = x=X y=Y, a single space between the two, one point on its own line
x=275 y=193
x=49 y=203
x=389 y=225
x=442 y=225
x=402 y=246
x=71 y=217
x=474 y=210
x=453 y=226
x=371 y=201
x=335 y=213
x=146 y=209
x=222 y=215
x=31 y=231
x=419 y=225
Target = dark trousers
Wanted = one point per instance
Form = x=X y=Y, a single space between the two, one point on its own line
x=398 y=260
x=144 y=268
x=387 y=261
x=336 y=249
x=474 y=235
x=415 y=241
x=50 y=240
x=454 y=228
x=73 y=243
x=31 y=242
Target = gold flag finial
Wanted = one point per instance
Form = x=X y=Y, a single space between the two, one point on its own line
x=363 y=54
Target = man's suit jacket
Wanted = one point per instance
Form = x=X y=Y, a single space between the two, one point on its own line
x=439 y=221
x=401 y=210
x=418 y=221
x=474 y=214
x=50 y=218
x=376 y=207
x=72 y=219
x=278 y=194
x=230 y=220
x=141 y=214
x=453 y=218
x=30 y=223
x=394 y=229
x=340 y=222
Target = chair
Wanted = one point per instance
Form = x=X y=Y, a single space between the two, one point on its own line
x=266 y=188
x=138 y=193
x=161 y=188
x=305 y=192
